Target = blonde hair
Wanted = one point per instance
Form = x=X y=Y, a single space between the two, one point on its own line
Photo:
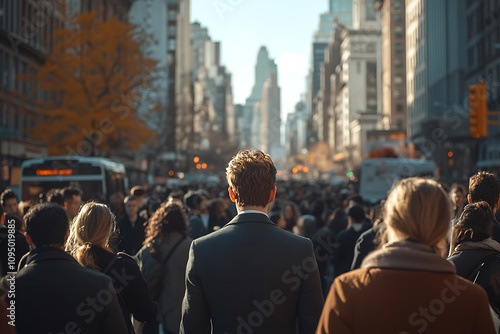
x=419 y=210
x=91 y=227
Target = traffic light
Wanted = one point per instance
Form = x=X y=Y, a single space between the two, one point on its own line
x=478 y=110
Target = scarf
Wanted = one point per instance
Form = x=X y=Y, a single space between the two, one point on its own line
x=408 y=255
x=487 y=244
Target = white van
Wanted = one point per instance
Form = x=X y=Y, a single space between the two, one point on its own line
x=378 y=175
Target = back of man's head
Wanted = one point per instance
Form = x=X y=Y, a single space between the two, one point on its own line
x=69 y=192
x=306 y=226
x=251 y=175
x=192 y=200
x=483 y=186
x=6 y=195
x=55 y=196
x=47 y=224
x=138 y=191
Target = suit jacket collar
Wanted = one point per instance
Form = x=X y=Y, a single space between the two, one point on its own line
x=250 y=218
x=40 y=254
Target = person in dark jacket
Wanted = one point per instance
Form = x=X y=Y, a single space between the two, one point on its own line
x=472 y=244
x=131 y=227
x=195 y=202
x=483 y=186
x=346 y=240
x=251 y=276
x=89 y=244
x=54 y=294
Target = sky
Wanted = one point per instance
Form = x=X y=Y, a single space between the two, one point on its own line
x=285 y=27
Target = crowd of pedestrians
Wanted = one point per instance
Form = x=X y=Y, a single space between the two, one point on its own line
x=256 y=256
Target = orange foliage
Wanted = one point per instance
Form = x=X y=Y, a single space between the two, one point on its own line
x=96 y=71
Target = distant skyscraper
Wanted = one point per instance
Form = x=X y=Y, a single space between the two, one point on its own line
x=342 y=11
x=271 y=117
x=263 y=69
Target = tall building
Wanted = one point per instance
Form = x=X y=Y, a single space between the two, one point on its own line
x=179 y=58
x=150 y=16
x=361 y=99
x=322 y=37
x=107 y=8
x=296 y=130
x=215 y=124
x=271 y=117
x=26 y=30
x=483 y=60
x=342 y=11
x=392 y=15
x=167 y=23
x=264 y=67
x=436 y=68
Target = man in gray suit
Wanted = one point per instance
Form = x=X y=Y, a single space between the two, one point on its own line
x=251 y=276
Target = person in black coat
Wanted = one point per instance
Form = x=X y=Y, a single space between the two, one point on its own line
x=472 y=245
x=131 y=228
x=89 y=244
x=251 y=276
x=53 y=293
x=346 y=240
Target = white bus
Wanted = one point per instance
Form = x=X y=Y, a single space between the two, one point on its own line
x=378 y=175
x=95 y=177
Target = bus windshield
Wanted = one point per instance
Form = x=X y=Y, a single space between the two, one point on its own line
x=97 y=178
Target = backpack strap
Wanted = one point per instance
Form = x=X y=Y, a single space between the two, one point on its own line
x=484 y=262
x=111 y=263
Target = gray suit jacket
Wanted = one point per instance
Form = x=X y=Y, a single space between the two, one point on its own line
x=251 y=277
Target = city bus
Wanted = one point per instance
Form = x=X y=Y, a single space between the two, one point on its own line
x=97 y=178
x=378 y=175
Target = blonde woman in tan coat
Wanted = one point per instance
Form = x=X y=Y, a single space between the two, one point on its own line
x=407 y=286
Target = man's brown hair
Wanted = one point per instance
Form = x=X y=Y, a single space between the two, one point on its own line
x=483 y=186
x=252 y=176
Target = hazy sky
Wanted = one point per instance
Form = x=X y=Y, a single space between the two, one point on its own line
x=285 y=27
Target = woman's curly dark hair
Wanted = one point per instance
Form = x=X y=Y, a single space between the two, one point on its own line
x=167 y=218
x=475 y=224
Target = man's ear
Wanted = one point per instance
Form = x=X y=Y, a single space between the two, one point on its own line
x=272 y=194
x=232 y=196
x=469 y=198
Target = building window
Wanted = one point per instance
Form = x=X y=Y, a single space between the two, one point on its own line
x=398 y=80
x=399 y=107
x=399 y=124
x=398 y=31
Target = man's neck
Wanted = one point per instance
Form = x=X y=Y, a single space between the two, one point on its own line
x=264 y=210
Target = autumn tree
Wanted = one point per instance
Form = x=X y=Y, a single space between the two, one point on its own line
x=97 y=74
